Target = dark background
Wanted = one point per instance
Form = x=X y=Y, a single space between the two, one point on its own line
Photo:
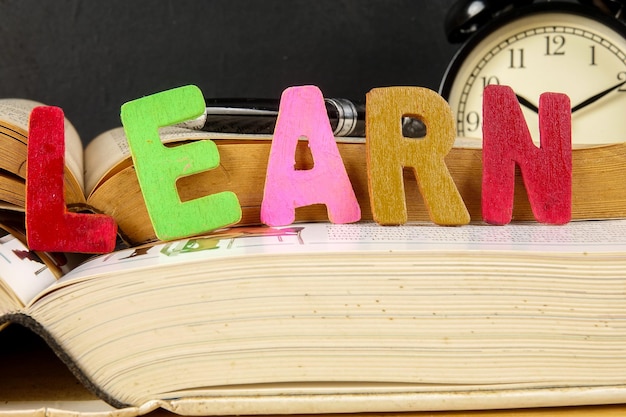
x=89 y=57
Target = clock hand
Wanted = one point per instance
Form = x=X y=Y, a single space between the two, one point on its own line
x=597 y=97
x=526 y=103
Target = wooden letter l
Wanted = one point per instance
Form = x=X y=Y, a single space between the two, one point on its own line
x=49 y=226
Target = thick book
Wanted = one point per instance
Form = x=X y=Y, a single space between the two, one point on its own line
x=327 y=318
x=102 y=178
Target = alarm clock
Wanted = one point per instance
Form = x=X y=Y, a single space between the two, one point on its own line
x=577 y=48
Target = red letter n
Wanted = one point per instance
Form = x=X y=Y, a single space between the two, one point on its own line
x=546 y=170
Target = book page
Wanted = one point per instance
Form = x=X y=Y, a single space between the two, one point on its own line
x=22 y=270
x=574 y=239
x=110 y=148
x=104 y=154
x=16 y=113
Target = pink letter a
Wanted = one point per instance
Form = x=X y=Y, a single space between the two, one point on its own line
x=302 y=113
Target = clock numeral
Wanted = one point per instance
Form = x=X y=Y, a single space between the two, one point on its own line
x=621 y=76
x=555 y=45
x=593 y=55
x=517 y=58
x=492 y=79
x=473 y=121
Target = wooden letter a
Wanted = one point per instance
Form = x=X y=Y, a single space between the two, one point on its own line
x=302 y=113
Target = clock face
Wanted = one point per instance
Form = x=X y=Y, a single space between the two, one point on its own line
x=548 y=52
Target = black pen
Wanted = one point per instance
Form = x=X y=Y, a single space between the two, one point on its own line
x=258 y=116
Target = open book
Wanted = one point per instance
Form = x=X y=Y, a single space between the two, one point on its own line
x=95 y=177
x=323 y=318
x=102 y=178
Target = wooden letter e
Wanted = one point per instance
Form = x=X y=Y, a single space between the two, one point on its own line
x=49 y=226
x=158 y=167
x=302 y=113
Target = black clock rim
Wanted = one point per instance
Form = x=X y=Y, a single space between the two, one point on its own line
x=517 y=13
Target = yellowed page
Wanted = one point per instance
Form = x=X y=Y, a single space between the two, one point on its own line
x=16 y=113
x=111 y=147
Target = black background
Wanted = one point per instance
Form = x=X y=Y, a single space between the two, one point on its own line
x=89 y=57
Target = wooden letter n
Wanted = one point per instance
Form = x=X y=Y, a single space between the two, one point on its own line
x=546 y=170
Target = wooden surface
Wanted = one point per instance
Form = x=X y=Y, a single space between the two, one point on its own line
x=592 y=411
